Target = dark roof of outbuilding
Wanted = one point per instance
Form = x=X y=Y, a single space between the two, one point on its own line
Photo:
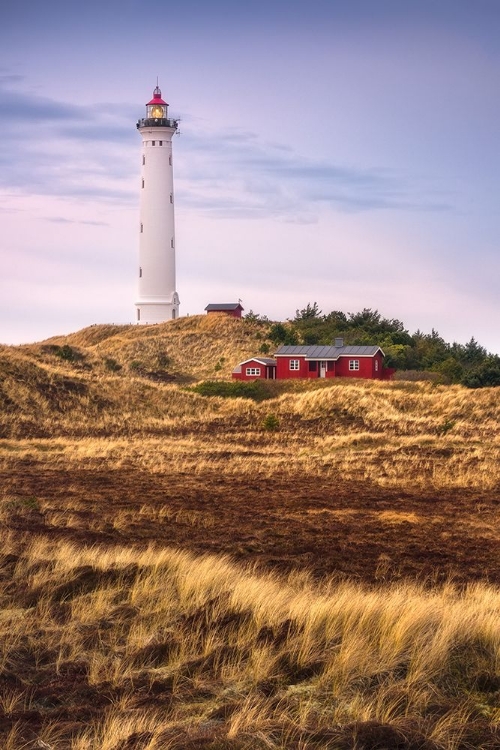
x=328 y=352
x=261 y=360
x=223 y=306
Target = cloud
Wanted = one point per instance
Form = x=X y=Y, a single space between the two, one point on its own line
x=27 y=108
x=89 y=152
x=64 y=220
x=53 y=148
x=8 y=79
x=66 y=151
x=235 y=174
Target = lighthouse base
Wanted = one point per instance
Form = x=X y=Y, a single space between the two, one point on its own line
x=157 y=311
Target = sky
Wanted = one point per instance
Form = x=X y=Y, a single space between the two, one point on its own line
x=344 y=152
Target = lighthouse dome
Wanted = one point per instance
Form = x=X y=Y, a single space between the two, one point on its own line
x=157 y=97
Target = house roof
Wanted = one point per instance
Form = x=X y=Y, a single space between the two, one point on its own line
x=261 y=360
x=224 y=306
x=266 y=361
x=328 y=352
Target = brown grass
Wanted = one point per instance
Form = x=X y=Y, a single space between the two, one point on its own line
x=386 y=432
x=336 y=629
x=119 y=647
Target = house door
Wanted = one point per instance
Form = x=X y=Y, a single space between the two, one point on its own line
x=322 y=369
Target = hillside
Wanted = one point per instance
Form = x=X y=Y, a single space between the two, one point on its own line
x=317 y=569
x=191 y=347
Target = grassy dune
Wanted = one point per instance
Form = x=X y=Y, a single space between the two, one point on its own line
x=157 y=649
x=174 y=574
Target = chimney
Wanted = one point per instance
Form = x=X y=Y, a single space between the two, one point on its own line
x=339 y=343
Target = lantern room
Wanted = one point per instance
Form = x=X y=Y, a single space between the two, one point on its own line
x=156 y=108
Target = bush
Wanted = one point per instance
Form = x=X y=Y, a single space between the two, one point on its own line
x=136 y=365
x=271 y=423
x=445 y=427
x=163 y=359
x=219 y=364
x=112 y=365
x=257 y=390
x=484 y=375
x=67 y=353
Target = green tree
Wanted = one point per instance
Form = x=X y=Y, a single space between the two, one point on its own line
x=473 y=353
x=486 y=374
x=311 y=337
x=451 y=369
x=372 y=322
x=307 y=313
x=281 y=334
x=396 y=355
x=252 y=317
x=430 y=350
x=336 y=318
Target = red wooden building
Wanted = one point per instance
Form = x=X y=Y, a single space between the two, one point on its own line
x=258 y=368
x=337 y=361
x=233 y=309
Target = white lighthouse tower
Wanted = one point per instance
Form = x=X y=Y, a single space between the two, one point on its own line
x=158 y=300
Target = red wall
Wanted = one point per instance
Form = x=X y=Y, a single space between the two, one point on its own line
x=283 y=371
x=231 y=313
x=366 y=367
x=340 y=368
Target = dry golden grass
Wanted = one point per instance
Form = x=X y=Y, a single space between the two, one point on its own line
x=212 y=444
x=145 y=646
x=193 y=345
x=386 y=432
x=195 y=652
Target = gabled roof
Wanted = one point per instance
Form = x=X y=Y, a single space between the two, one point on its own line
x=264 y=361
x=261 y=360
x=224 y=306
x=328 y=352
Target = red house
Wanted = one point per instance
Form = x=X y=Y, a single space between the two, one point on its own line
x=233 y=309
x=258 y=368
x=336 y=361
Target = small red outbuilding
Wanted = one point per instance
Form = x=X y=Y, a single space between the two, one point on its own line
x=258 y=368
x=233 y=309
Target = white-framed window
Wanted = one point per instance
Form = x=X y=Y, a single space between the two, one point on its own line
x=160 y=143
x=253 y=371
x=154 y=143
x=354 y=364
x=376 y=365
x=295 y=364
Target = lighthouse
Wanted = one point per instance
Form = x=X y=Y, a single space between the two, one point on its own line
x=158 y=300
